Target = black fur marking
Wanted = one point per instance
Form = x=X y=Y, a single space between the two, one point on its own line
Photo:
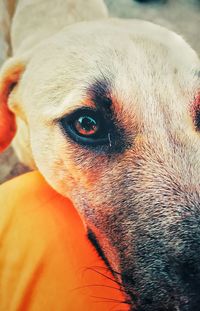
x=92 y=238
x=100 y=94
x=197 y=119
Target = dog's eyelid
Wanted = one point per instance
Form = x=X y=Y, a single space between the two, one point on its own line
x=73 y=101
x=87 y=112
x=69 y=111
x=55 y=117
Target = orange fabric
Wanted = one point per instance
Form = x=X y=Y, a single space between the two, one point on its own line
x=46 y=261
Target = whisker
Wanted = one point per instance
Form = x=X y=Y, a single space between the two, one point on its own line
x=115 y=272
x=95 y=285
x=105 y=268
x=106 y=299
x=121 y=287
x=105 y=78
x=104 y=275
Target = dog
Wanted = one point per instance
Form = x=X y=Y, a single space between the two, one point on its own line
x=109 y=111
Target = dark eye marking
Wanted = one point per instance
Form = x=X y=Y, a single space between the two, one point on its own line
x=99 y=93
x=87 y=126
x=198 y=119
x=96 y=128
x=196 y=111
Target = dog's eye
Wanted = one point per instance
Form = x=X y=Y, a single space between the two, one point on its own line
x=86 y=126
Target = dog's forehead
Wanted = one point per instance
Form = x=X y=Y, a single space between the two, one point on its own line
x=134 y=66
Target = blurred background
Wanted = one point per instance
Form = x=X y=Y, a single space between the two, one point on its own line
x=182 y=16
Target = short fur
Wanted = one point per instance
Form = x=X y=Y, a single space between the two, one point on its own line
x=140 y=195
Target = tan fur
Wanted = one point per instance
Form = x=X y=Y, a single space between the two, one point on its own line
x=26 y=33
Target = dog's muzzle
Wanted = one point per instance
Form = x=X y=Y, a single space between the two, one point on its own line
x=164 y=274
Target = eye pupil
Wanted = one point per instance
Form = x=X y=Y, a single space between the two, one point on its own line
x=86 y=125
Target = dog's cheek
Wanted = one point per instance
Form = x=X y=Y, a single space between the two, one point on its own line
x=48 y=156
x=62 y=164
x=85 y=179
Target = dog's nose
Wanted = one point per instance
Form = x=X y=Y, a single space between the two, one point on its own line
x=165 y=269
x=167 y=293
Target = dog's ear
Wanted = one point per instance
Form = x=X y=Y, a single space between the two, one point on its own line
x=9 y=77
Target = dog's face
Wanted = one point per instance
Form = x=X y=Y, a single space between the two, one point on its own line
x=113 y=112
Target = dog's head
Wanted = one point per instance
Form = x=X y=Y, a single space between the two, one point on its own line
x=113 y=117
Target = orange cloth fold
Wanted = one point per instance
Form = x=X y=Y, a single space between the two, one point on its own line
x=46 y=261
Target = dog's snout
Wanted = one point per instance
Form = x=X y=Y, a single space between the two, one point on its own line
x=160 y=293
x=166 y=272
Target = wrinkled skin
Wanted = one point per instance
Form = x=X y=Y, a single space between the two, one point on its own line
x=140 y=194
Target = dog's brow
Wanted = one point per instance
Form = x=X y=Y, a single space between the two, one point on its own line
x=99 y=93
